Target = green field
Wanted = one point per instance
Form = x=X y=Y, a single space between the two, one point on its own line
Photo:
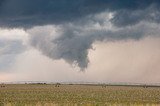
x=83 y=95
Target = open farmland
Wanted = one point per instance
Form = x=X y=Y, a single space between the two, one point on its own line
x=49 y=94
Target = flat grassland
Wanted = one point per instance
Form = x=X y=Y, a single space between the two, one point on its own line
x=38 y=94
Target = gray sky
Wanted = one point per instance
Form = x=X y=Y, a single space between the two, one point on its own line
x=82 y=41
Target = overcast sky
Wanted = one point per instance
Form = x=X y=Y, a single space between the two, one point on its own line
x=80 y=40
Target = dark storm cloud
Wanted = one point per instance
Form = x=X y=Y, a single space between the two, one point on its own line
x=132 y=17
x=130 y=21
x=73 y=42
x=24 y=13
x=28 y=13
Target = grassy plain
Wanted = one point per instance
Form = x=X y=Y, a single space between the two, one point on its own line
x=48 y=95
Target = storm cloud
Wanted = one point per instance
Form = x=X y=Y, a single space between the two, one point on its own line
x=67 y=29
x=72 y=43
x=29 y=13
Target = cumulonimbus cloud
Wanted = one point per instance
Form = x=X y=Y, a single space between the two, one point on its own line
x=80 y=23
x=73 y=42
x=29 y=13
